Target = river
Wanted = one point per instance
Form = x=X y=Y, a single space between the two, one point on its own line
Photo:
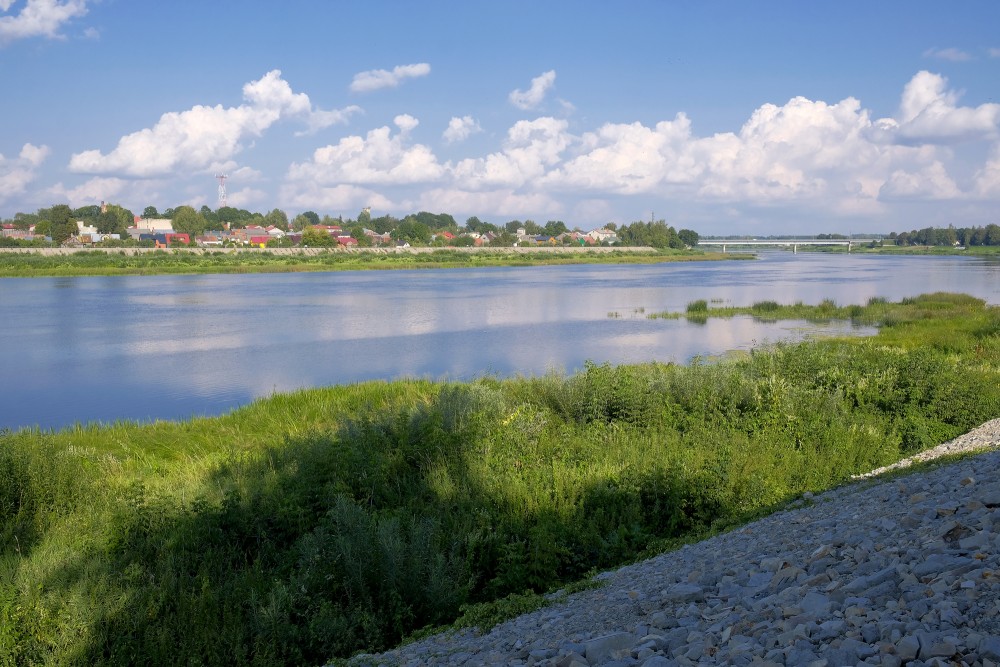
x=142 y=348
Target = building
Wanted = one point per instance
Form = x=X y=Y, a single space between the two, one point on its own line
x=82 y=228
x=154 y=225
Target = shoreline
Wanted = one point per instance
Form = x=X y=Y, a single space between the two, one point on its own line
x=64 y=262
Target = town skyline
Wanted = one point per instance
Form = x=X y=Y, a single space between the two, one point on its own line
x=724 y=118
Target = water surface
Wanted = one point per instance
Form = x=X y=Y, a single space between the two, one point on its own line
x=169 y=347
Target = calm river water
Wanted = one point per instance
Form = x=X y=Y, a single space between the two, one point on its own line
x=169 y=347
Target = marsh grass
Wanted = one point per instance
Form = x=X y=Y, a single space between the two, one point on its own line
x=876 y=312
x=324 y=522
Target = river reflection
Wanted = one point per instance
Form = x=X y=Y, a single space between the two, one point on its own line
x=169 y=347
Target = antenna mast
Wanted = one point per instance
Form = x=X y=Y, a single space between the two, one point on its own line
x=222 y=189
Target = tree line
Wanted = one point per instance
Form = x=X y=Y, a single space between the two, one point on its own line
x=422 y=228
x=949 y=236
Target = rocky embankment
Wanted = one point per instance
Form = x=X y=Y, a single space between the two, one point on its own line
x=903 y=571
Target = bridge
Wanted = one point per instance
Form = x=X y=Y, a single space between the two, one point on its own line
x=784 y=243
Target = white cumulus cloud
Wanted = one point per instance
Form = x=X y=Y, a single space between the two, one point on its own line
x=343 y=197
x=380 y=157
x=460 y=129
x=631 y=158
x=504 y=202
x=34 y=155
x=931 y=182
x=92 y=191
x=381 y=78
x=204 y=137
x=928 y=113
x=987 y=180
x=38 y=18
x=531 y=148
x=531 y=98
x=17 y=173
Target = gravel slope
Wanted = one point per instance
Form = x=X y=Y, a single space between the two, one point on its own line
x=883 y=572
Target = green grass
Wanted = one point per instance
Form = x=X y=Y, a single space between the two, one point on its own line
x=888 y=249
x=324 y=522
x=182 y=261
x=876 y=312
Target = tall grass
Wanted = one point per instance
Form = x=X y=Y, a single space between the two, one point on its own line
x=320 y=523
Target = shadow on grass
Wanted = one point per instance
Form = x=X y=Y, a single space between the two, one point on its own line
x=340 y=541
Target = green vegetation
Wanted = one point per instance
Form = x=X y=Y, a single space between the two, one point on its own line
x=948 y=236
x=877 y=312
x=986 y=250
x=123 y=262
x=319 y=523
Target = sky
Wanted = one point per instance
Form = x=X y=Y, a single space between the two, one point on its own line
x=724 y=117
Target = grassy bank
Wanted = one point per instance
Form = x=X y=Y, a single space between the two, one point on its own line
x=986 y=251
x=889 y=249
x=315 y=524
x=126 y=262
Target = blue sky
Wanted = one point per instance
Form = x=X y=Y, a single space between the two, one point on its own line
x=723 y=117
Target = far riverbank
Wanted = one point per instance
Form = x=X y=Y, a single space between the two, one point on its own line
x=55 y=262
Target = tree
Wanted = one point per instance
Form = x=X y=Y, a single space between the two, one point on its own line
x=25 y=220
x=413 y=232
x=231 y=215
x=504 y=240
x=383 y=224
x=211 y=218
x=150 y=212
x=655 y=234
x=62 y=223
x=357 y=233
x=555 y=227
x=277 y=218
x=87 y=212
x=311 y=216
x=315 y=237
x=531 y=227
x=189 y=221
x=474 y=224
x=124 y=217
x=991 y=235
x=108 y=223
x=688 y=237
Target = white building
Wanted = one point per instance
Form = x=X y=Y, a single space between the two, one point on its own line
x=154 y=225
x=85 y=229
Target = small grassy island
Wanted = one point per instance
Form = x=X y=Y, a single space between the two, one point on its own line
x=317 y=524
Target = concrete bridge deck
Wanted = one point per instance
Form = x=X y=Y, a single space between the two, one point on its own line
x=793 y=243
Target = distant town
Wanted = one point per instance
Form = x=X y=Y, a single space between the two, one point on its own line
x=110 y=225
